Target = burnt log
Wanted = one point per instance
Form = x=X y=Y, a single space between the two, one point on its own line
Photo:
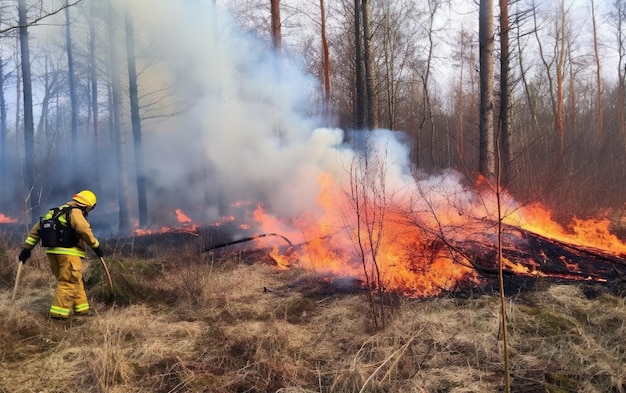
x=529 y=254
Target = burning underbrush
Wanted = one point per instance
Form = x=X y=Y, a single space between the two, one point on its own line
x=416 y=237
x=443 y=241
x=259 y=303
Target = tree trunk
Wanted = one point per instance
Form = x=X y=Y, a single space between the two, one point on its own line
x=326 y=64
x=428 y=110
x=370 y=69
x=93 y=74
x=620 y=14
x=596 y=52
x=524 y=79
x=276 y=35
x=18 y=89
x=50 y=90
x=505 y=132
x=548 y=65
x=29 y=132
x=560 y=72
x=4 y=194
x=466 y=101
x=73 y=164
x=116 y=109
x=135 y=119
x=573 y=110
x=486 y=42
x=358 y=67
x=3 y=136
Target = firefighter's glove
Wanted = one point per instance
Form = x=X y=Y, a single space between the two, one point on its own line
x=24 y=255
x=98 y=252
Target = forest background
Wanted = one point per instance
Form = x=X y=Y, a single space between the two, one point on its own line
x=161 y=105
x=148 y=101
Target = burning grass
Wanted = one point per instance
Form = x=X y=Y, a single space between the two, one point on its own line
x=191 y=323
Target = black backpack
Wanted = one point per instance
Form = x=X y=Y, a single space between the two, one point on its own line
x=53 y=233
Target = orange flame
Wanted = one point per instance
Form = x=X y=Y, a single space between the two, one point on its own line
x=6 y=219
x=332 y=240
x=586 y=232
x=398 y=247
x=181 y=217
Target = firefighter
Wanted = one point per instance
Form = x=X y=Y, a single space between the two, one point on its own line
x=65 y=256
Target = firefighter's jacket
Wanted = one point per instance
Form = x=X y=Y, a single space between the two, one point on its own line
x=80 y=225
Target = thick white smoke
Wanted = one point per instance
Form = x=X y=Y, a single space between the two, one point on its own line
x=245 y=133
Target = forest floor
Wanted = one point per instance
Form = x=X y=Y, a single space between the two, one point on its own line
x=191 y=323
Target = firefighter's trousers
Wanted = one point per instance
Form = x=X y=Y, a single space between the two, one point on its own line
x=70 y=292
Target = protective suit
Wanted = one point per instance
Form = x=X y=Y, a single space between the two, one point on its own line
x=66 y=260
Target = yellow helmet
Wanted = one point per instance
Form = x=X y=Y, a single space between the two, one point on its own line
x=85 y=198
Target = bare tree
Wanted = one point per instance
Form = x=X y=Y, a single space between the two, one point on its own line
x=619 y=17
x=467 y=89
x=51 y=88
x=72 y=93
x=325 y=63
x=116 y=126
x=18 y=82
x=93 y=76
x=276 y=33
x=560 y=70
x=427 y=112
x=3 y=129
x=596 y=53
x=36 y=20
x=369 y=204
x=486 y=42
x=397 y=42
x=29 y=132
x=3 y=132
x=505 y=132
x=135 y=119
x=359 y=69
x=370 y=67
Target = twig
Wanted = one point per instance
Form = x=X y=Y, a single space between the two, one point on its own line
x=402 y=349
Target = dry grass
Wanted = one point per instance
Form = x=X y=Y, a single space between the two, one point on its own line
x=189 y=323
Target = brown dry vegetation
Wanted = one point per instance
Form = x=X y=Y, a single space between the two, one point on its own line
x=195 y=323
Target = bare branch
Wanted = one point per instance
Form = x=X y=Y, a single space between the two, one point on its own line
x=36 y=21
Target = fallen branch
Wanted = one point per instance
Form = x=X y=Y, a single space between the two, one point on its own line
x=247 y=239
